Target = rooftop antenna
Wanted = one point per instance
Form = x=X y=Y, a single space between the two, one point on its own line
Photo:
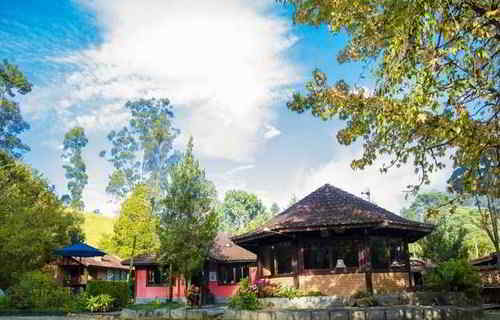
x=367 y=193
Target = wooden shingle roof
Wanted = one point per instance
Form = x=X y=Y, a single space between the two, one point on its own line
x=331 y=207
x=223 y=250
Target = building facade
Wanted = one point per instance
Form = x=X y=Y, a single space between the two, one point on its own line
x=226 y=266
x=336 y=243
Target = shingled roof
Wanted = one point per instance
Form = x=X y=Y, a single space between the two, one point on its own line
x=223 y=250
x=332 y=207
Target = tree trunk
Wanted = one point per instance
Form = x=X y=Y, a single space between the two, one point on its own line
x=171 y=283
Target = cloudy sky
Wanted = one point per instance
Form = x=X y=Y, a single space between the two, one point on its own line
x=228 y=68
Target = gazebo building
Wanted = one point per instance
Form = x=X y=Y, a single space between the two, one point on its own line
x=336 y=243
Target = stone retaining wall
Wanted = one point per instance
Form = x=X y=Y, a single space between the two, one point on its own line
x=372 y=313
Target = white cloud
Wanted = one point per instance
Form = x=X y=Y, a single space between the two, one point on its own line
x=221 y=62
x=239 y=169
x=271 y=132
x=386 y=190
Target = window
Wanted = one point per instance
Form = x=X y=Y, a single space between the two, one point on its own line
x=388 y=253
x=346 y=250
x=283 y=253
x=231 y=273
x=157 y=276
x=317 y=256
x=278 y=259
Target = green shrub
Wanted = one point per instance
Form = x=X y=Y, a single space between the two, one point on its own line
x=314 y=293
x=100 y=303
x=244 y=301
x=4 y=302
x=77 y=303
x=455 y=276
x=288 y=292
x=37 y=290
x=246 y=298
x=361 y=294
x=118 y=290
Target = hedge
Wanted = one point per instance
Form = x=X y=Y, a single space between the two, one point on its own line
x=116 y=289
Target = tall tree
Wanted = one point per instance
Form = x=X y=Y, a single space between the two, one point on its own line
x=136 y=221
x=76 y=170
x=239 y=208
x=11 y=121
x=275 y=209
x=425 y=202
x=142 y=151
x=436 y=64
x=33 y=221
x=188 y=221
x=488 y=177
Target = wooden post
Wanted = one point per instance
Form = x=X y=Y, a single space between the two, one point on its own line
x=408 y=264
x=295 y=264
x=85 y=275
x=259 y=263
x=368 y=267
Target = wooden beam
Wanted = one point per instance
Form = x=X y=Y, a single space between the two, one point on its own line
x=259 y=263
x=408 y=264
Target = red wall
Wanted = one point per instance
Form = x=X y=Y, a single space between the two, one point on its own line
x=143 y=291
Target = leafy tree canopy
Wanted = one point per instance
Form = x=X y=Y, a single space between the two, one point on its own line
x=75 y=168
x=239 y=208
x=142 y=151
x=33 y=221
x=275 y=208
x=188 y=223
x=137 y=221
x=12 y=123
x=436 y=65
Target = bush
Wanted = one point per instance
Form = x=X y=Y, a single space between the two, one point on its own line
x=455 y=276
x=288 y=292
x=314 y=293
x=246 y=298
x=4 y=302
x=100 y=303
x=77 y=303
x=244 y=301
x=118 y=290
x=37 y=290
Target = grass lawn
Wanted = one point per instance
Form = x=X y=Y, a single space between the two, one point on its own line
x=153 y=306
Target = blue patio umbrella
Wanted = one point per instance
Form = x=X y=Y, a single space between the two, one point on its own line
x=79 y=250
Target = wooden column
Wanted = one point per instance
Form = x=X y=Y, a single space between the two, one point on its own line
x=408 y=264
x=259 y=262
x=295 y=263
x=368 y=267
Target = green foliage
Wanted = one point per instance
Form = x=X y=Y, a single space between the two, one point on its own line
x=446 y=242
x=137 y=221
x=77 y=303
x=118 y=290
x=458 y=231
x=437 y=93
x=246 y=298
x=97 y=227
x=455 y=276
x=33 y=221
x=289 y=292
x=150 y=133
x=239 y=208
x=189 y=223
x=11 y=121
x=75 y=169
x=100 y=303
x=275 y=209
x=37 y=290
x=4 y=302
x=314 y=293
x=154 y=306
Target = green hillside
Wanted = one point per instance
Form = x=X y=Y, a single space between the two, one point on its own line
x=95 y=226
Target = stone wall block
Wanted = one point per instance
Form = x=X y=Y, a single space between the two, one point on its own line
x=320 y=315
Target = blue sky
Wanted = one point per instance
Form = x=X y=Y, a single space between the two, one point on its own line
x=228 y=69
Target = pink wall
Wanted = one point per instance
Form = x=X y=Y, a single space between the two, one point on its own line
x=143 y=291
